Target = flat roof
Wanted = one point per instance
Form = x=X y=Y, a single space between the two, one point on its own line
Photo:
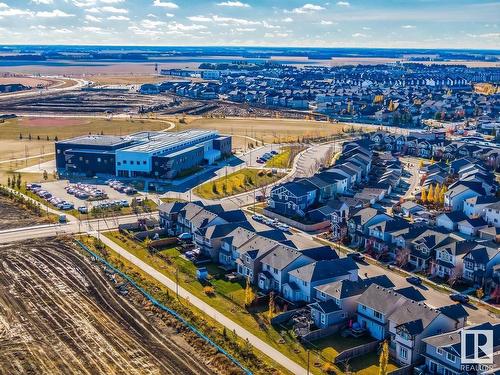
x=155 y=141
x=96 y=140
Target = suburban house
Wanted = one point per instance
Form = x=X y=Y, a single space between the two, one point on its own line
x=458 y=192
x=360 y=221
x=303 y=280
x=443 y=352
x=293 y=198
x=476 y=206
x=479 y=263
x=449 y=257
x=337 y=301
x=375 y=306
x=409 y=324
x=276 y=264
x=492 y=214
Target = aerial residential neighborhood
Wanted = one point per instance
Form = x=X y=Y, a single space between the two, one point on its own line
x=249 y=187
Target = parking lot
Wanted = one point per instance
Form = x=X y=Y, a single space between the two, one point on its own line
x=59 y=189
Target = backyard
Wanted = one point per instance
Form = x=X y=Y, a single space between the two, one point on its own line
x=237 y=182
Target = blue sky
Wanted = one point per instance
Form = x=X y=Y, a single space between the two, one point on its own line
x=345 y=23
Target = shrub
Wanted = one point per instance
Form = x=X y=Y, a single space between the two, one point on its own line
x=209 y=291
x=328 y=368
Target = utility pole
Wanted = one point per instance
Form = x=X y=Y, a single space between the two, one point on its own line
x=177 y=282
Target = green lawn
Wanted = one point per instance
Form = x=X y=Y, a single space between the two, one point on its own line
x=229 y=300
x=237 y=182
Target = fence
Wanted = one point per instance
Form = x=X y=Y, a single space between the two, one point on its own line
x=284 y=317
x=164 y=308
x=356 y=351
x=406 y=370
x=323 y=332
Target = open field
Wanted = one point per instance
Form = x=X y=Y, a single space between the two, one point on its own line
x=235 y=183
x=60 y=316
x=67 y=127
x=269 y=130
x=14 y=215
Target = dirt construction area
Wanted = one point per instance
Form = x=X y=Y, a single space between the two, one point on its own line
x=61 y=314
x=14 y=216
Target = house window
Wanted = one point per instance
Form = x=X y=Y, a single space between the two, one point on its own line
x=433 y=367
x=323 y=319
x=363 y=307
x=450 y=357
x=403 y=353
x=439 y=351
x=377 y=315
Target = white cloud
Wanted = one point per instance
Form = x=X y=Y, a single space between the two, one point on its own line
x=199 y=19
x=343 y=4
x=111 y=1
x=366 y=28
x=91 y=29
x=234 y=21
x=485 y=36
x=359 y=35
x=168 y=4
x=234 y=4
x=84 y=3
x=287 y=20
x=11 y=12
x=3 y=5
x=62 y=31
x=275 y=35
x=108 y=9
x=150 y=24
x=307 y=8
x=270 y=26
x=118 y=18
x=169 y=15
x=42 y=2
x=408 y=27
x=244 y=29
x=91 y=18
x=323 y=22
x=175 y=26
x=53 y=14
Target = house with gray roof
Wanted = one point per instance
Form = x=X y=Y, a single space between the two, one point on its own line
x=344 y=294
x=479 y=264
x=409 y=324
x=303 y=280
x=276 y=265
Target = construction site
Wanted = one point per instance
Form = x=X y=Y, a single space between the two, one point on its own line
x=23 y=218
x=62 y=313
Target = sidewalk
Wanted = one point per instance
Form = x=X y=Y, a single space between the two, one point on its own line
x=207 y=309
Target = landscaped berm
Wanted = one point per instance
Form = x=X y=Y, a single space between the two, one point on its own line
x=237 y=182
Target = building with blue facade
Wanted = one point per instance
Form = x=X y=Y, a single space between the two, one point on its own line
x=162 y=155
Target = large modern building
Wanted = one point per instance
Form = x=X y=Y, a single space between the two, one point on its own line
x=162 y=155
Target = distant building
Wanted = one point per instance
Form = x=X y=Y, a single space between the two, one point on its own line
x=144 y=154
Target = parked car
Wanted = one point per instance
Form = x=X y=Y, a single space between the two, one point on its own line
x=358 y=257
x=83 y=210
x=257 y=217
x=67 y=206
x=260 y=161
x=274 y=152
x=415 y=280
x=124 y=203
x=457 y=297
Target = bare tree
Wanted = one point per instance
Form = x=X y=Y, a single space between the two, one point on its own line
x=456 y=274
x=402 y=257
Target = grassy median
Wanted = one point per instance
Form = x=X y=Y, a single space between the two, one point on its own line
x=238 y=182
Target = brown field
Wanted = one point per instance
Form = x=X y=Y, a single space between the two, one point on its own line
x=124 y=79
x=27 y=81
x=60 y=314
x=70 y=127
x=269 y=130
x=13 y=215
